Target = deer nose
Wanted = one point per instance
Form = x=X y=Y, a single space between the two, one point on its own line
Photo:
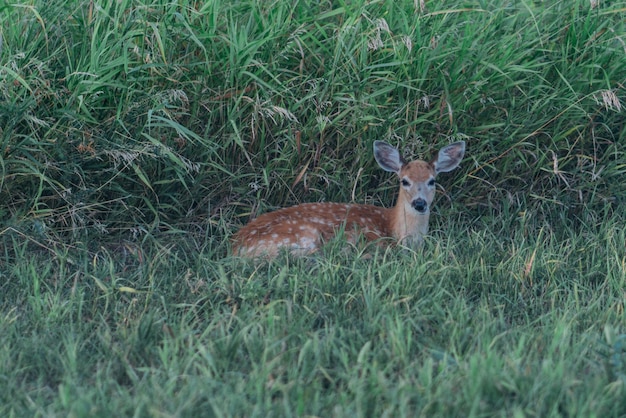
x=419 y=205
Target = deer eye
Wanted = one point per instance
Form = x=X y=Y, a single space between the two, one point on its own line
x=431 y=182
x=405 y=182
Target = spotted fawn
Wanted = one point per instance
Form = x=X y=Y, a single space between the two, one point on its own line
x=303 y=229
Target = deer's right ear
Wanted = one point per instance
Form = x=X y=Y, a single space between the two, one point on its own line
x=388 y=157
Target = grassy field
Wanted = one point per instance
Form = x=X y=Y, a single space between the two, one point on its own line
x=137 y=136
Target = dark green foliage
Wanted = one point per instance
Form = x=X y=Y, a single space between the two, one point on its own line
x=127 y=116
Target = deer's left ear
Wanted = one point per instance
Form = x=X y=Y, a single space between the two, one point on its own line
x=449 y=157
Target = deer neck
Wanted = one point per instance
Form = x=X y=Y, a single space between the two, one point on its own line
x=409 y=227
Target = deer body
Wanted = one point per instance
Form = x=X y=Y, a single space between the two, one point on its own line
x=303 y=229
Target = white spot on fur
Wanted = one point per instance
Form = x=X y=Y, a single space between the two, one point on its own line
x=307 y=243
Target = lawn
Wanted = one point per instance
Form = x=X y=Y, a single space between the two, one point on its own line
x=137 y=136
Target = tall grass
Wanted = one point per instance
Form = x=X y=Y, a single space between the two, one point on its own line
x=136 y=135
x=127 y=116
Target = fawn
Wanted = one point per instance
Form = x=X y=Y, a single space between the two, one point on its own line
x=302 y=229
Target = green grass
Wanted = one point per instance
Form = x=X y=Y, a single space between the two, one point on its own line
x=475 y=325
x=137 y=136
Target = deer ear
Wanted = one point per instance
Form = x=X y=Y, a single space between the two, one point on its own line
x=388 y=157
x=449 y=157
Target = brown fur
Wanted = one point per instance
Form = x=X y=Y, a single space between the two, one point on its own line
x=302 y=229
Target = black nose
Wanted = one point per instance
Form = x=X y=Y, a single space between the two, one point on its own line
x=420 y=205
